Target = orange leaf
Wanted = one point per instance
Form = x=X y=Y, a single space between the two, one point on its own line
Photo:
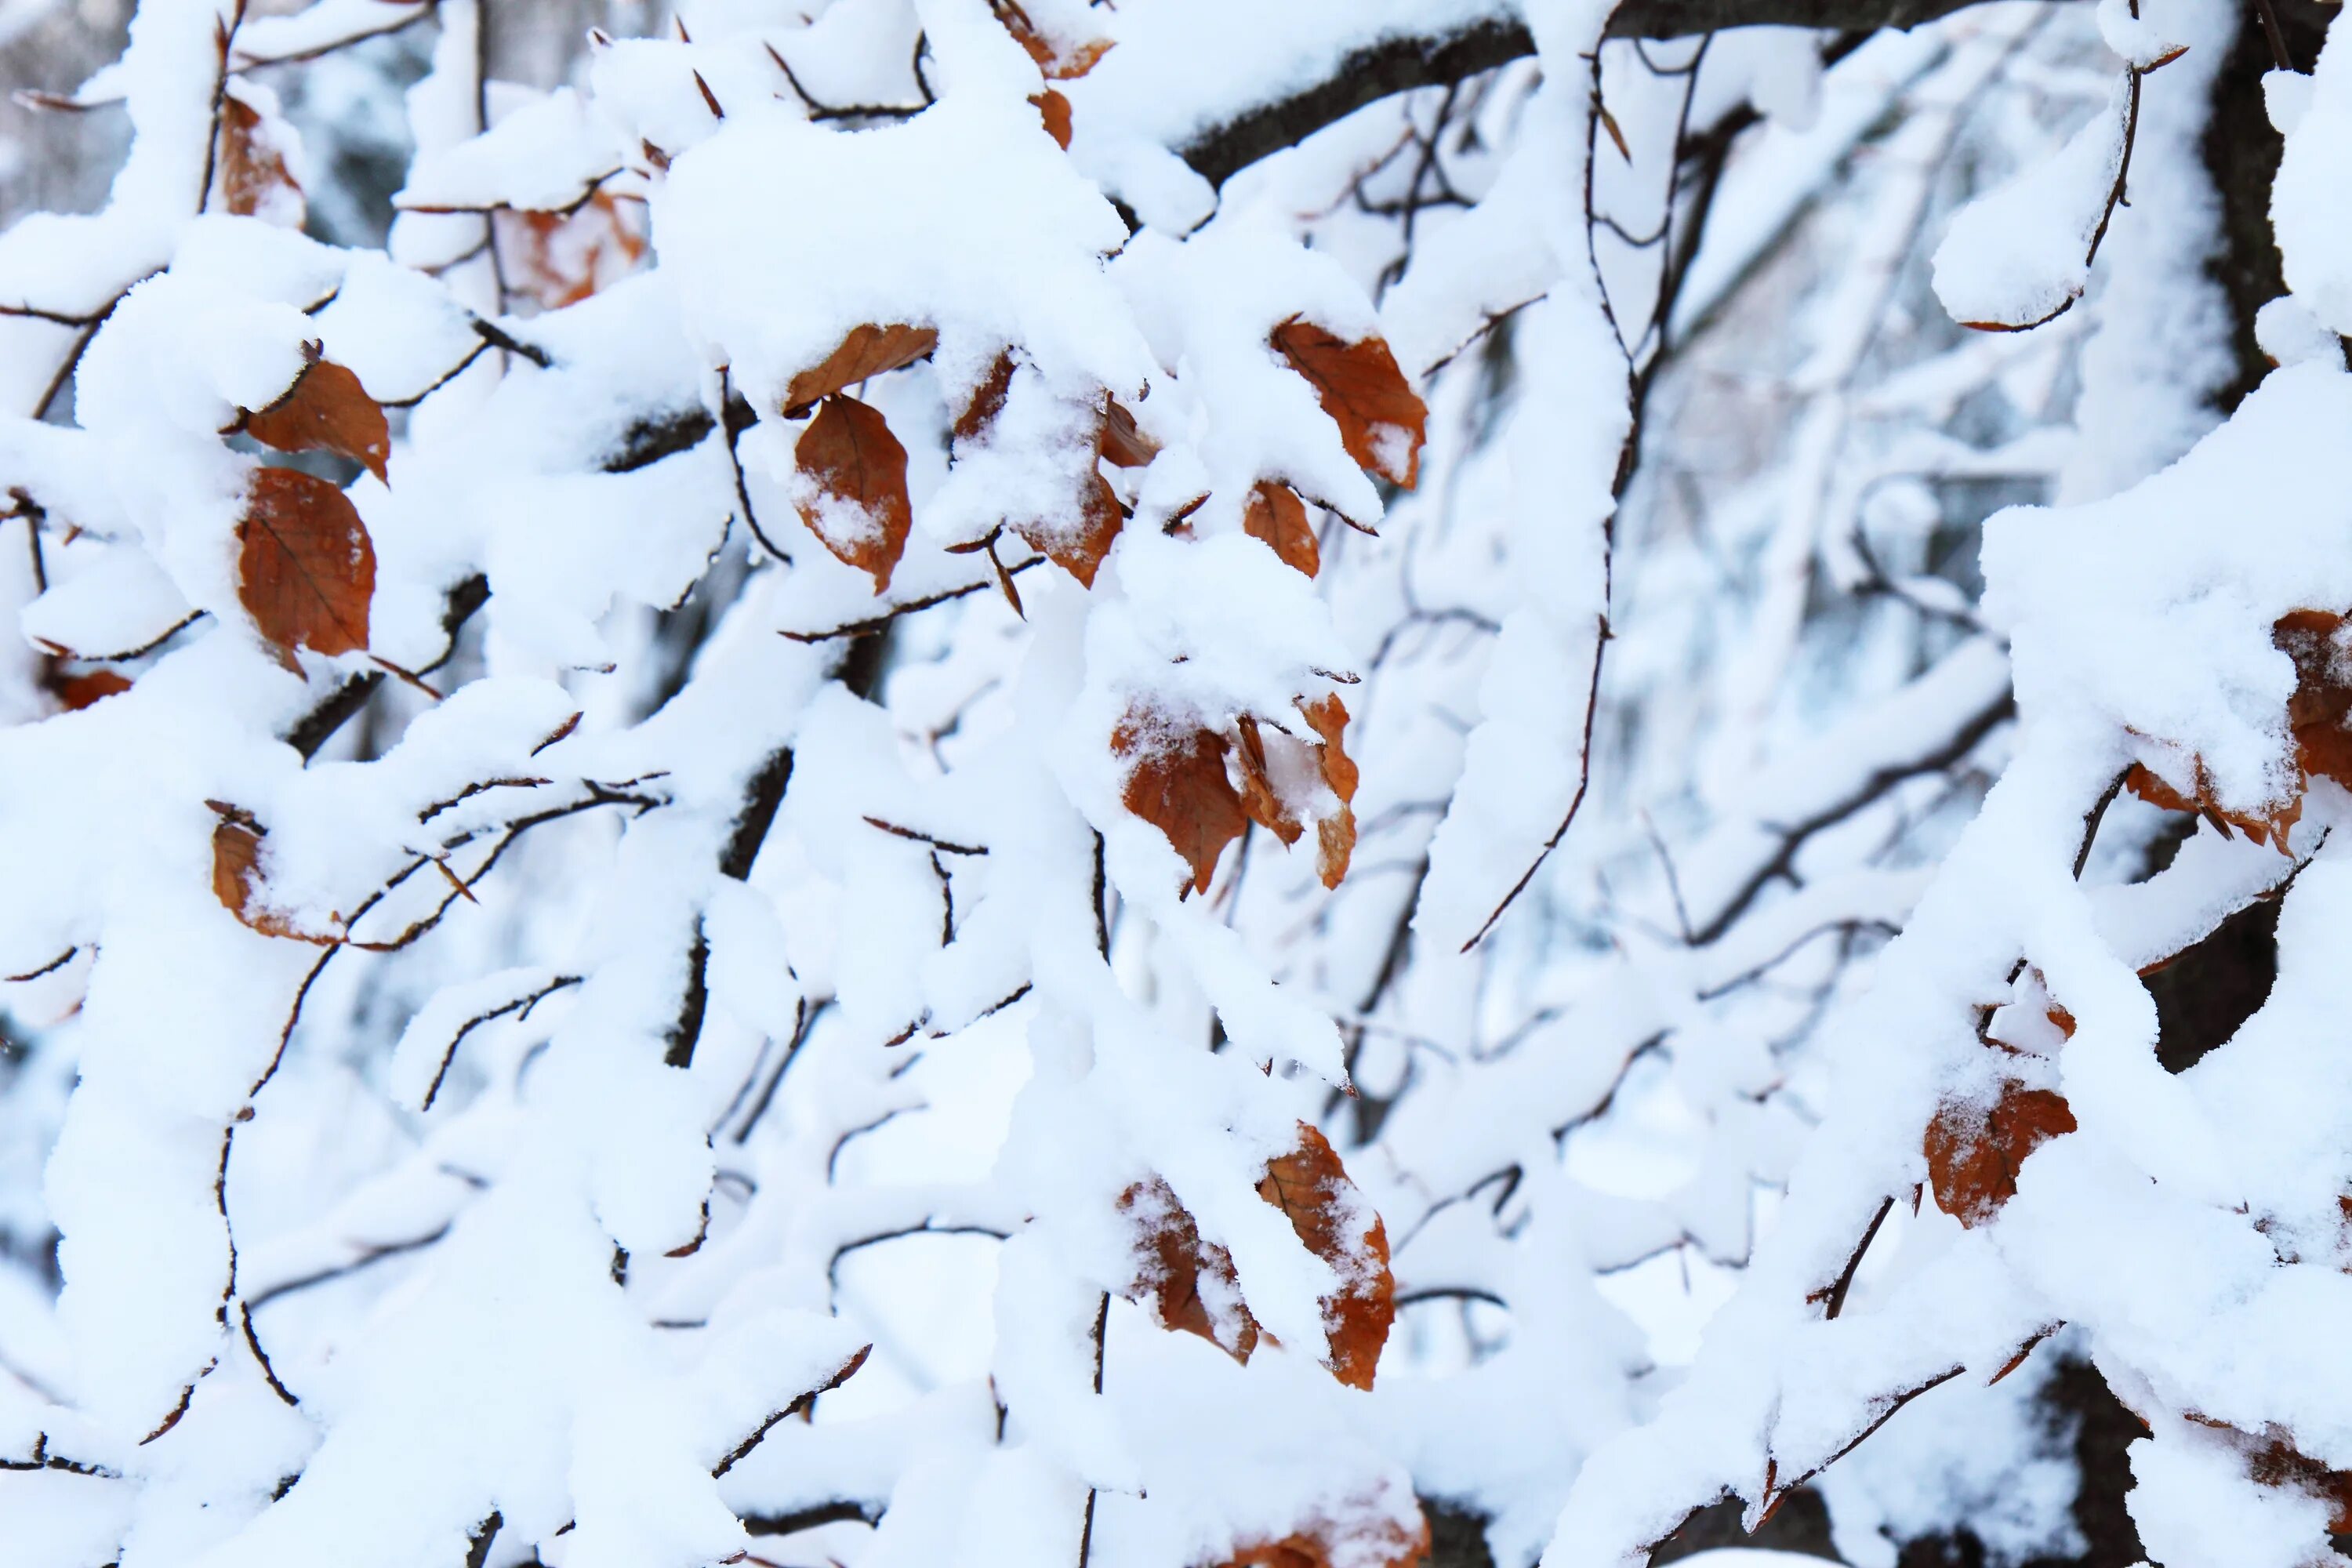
x=1059 y=58
x=1177 y=783
x=306 y=571
x=1333 y=1220
x=1119 y=442
x=79 y=691
x=2277 y=1462
x=1274 y=513
x=1376 y=1542
x=987 y=400
x=326 y=410
x=1973 y=1153
x=236 y=875
x=1080 y=553
x=2321 y=648
x=1336 y=835
x=1260 y=800
x=867 y=350
x=1055 y=109
x=859 y=509
x=561 y=259
x=1188 y=1284
x=1381 y=422
x=254 y=181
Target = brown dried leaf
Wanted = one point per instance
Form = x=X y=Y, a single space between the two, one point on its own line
x=1188 y=1284
x=254 y=181
x=1335 y=835
x=1081 y=554
x=2274 y=1460
x=326 y=410
x=1372 y=1543
x=306 y=569
x=2271 y=829
x=1381 y=422
x=1973 y=1153
x=867 y=350
x=562 y=259
x=79 y=691
x=857 y=472
x=237 y=875
x=987 y=400
x=1119 y=442
x=1274 y=513
x=2321 y=647
x=1260 y=800
x=1055 y=109
x=1335 y=1222
x=1059 y=59
x=1177 y=783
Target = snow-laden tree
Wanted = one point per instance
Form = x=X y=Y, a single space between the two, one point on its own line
x=1180 y=783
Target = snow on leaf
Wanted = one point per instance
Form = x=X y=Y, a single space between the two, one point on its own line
x=866 y=351
x=1381 y=422
x=327 y=410
x=1974 y=1151
x=1274 y=513
x=1336 y=833
x=1335 y=1222
x=560 y=258
x=1121 y=443
x=853 y=487
x=236 y=875
x=79 y=691
x=1058 y=53
x=1177 y=783
x=1080 y=551
x=987 y=400
x=253 y=179
x=306 y=569
x=1187 y=1283
x=1371 y=1539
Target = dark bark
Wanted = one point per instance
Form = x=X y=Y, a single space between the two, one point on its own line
x=1800 y=1525
x=2241 y=154
x=1396 y=64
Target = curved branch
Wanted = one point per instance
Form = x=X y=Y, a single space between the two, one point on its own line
x=1400 y=64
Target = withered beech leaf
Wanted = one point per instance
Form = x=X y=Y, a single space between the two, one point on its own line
x=1055 y=109
x=1335 y=1222
x=1176 y=782
x=237 y=875
x=2270 y=828
x=1381 y=422
x=2320 y=644
x=1059 y=59
x=1260 y=800
x=987 y=400
x=867 y=350
x=561 y=259
x=79 y=691
x=1974 y=1151
x=2276 y=1461
x=1120 y=442
x=1186 y=1283
x=854 y=497
x=254 y=181
x=306 y=567
x=326 y=410
x=1336 y=833
x=1274 y=513
x=1375 y=1541
x=1080 y=551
